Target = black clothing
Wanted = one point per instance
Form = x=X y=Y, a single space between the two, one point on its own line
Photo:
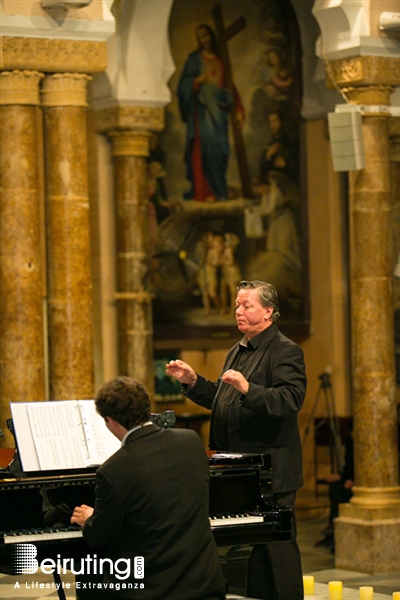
x=264 y=421
x=152 y=500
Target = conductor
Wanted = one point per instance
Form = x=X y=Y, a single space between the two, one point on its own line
x=254 y=408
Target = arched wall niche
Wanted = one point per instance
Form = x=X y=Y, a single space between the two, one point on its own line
x=140 y=63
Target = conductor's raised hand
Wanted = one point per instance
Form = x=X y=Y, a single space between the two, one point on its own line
x=237 y=380
x=181 y=371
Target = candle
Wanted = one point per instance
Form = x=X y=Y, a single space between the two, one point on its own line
x=366 y=592
x=396 y=595
x=308 y=584
x=335 y=590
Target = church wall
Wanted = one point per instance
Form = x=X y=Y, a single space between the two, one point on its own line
x=328 y=343
x=376 y=8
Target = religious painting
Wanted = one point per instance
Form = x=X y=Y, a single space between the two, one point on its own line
x=225 y=176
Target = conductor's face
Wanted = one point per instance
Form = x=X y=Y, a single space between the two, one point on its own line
x=251 y=316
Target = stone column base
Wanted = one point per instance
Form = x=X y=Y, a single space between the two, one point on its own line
x=367 y=546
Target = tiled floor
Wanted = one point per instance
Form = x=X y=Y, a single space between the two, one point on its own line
x=320 y=561
x=317 y=561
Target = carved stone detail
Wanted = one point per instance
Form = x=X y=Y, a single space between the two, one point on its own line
x=20 y=87
x=130 y=143
x=145 y=118
x=373 y=95
x=53 y=56
x=67 y=89
x=364 y=70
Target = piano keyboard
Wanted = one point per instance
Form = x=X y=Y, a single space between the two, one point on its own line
x=225 y=521
x=40 y=536
x=24 y=537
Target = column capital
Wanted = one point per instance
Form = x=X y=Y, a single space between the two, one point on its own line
x=364 y=71
x=53 y=55
x=131 y=118
x=130 y=143
x=375 y=96
x=65 y=89
x=20 y=87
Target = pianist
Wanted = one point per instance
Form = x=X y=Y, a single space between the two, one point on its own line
x=151 y=501
x=254 y=407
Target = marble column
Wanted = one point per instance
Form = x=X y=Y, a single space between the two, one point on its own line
x=367 y=532
x=135 y=331
x=71 y=362
x=129 y=129
x=22 y=363
x=394 y=155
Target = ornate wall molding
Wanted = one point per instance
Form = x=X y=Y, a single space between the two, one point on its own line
x=141 y=118
x=20 y=87
x=52 y=55
x=364 y=70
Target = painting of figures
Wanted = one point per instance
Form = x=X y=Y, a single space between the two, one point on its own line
x=225 y=193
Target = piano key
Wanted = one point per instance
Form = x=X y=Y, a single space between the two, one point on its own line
x=35 y=536
x=235 y=520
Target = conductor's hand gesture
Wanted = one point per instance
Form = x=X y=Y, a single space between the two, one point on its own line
x=181 y=371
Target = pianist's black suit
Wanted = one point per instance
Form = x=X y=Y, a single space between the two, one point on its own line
x=264 y=421
x=152 y=501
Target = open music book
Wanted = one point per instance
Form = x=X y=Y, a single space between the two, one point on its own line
x=62 y=434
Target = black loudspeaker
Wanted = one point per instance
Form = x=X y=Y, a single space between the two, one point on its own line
x=345 y=134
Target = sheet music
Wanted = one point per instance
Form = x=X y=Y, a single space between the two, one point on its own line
x=101 y=443
x=58 y=434
x=61 y=434
x=25 y=442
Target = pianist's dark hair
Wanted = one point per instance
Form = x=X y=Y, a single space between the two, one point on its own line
x=125 y=400
x=267 y=295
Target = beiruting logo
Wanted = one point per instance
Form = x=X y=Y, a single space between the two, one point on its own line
x=24 y=562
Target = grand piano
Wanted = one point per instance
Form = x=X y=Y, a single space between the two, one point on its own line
x=35 y=510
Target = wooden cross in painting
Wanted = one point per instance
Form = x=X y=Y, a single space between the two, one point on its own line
x=223 y=36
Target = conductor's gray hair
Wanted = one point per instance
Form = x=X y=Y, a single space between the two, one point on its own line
x=267 y=295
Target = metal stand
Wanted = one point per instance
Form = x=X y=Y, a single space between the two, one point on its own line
x=326 y=388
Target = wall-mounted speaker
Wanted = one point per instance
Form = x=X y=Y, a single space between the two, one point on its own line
x=345 y=134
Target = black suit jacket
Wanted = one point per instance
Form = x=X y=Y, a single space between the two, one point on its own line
x=265 y=419
x=152 y=500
